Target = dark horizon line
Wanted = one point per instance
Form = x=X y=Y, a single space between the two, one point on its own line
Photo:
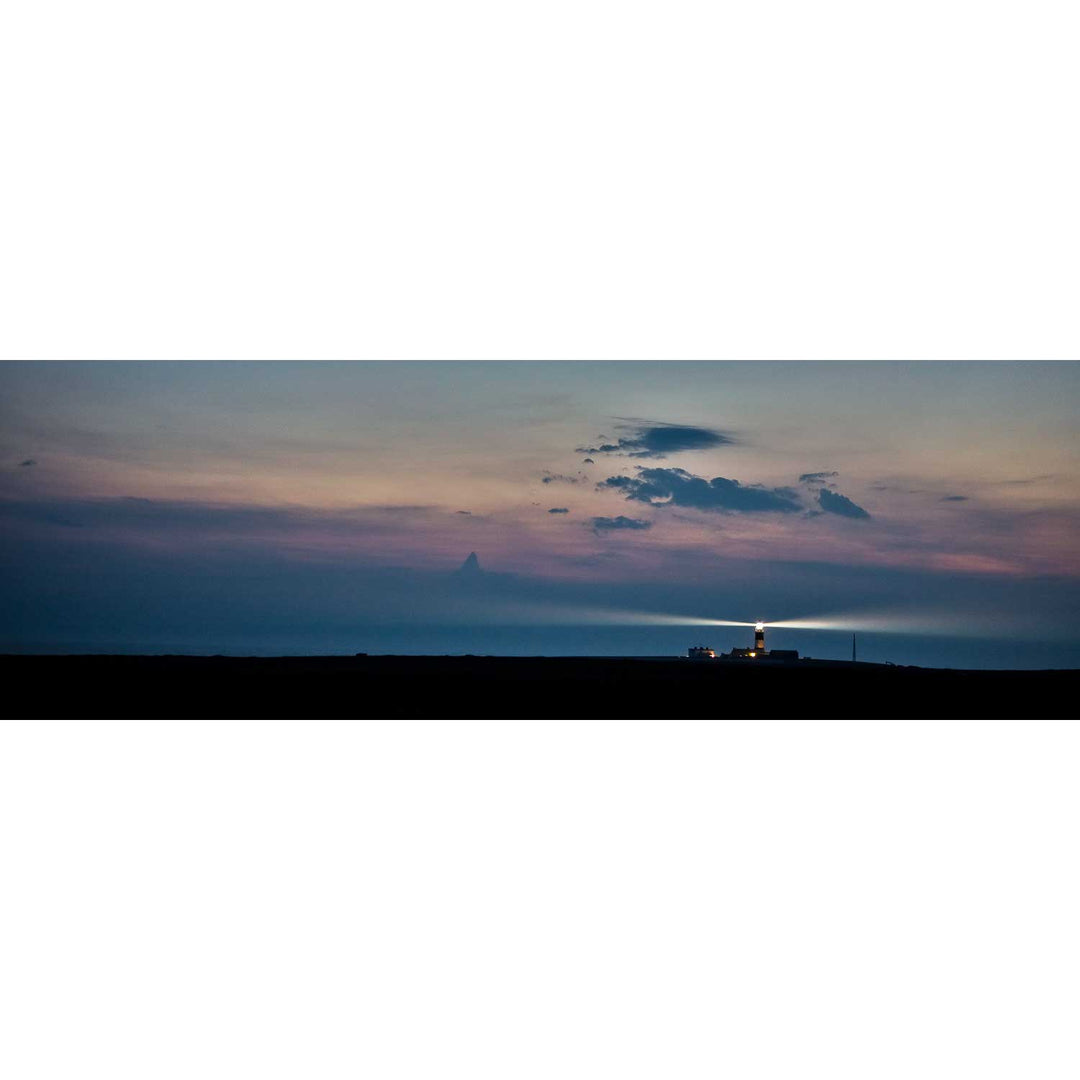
x=803 y=663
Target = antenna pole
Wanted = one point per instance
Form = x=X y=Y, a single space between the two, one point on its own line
x=853 y=648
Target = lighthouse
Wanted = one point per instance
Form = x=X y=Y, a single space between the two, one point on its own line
x=759 y=654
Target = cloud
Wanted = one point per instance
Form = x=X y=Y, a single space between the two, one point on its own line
x=27 y=463
x=195 y=522
x=833 y=503
x=470 y=566
x=588 y=461
x=560 y=478
x=607 y=524
x=1028 y=479
x=559 y=510
x=677 y=487
x=954 y=498
x=467 y=513
x=652 y=439
x=816 y=477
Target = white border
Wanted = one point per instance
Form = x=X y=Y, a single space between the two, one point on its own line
x=539 y=899
x=587 y=180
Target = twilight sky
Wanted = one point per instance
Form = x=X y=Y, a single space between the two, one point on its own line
x=325 y=507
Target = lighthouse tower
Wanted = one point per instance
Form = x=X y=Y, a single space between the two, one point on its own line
x=758 y=652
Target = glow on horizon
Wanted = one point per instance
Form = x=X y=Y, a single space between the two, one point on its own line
x=605 y=617
x=555 y=614
x=927 y=622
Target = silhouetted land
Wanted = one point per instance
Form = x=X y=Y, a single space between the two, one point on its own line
x=496 y=687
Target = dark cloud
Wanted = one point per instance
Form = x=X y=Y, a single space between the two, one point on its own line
x=833 y=503
x=58 y=512
x=559 y=510
x=607 y=524
x=655 y=440
x=677 y=487
x=133 y=515
x=27 y=463
x=470 y=566
x=954 y=498
x=467 y=513
x=588 y=461
x=816 y=477
x=1028 y=479
x=560 y=478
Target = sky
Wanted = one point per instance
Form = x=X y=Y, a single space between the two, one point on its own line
x=614 y=508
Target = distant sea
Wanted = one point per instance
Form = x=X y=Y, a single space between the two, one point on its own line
x=924 y=651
